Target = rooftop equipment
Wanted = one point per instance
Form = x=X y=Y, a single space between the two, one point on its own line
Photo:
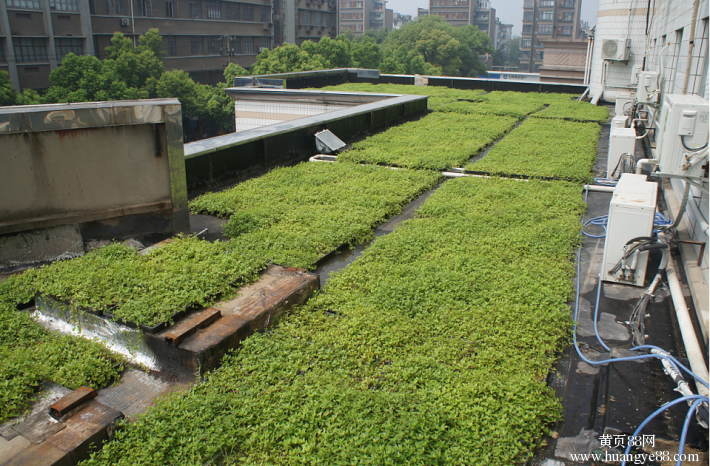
x=328 y=143
x=684 y=135
x=631 y=215
x=621 y=141
x=616 y=49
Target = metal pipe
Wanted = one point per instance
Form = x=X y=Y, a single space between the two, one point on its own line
x=683 y=206
x=599 y=189
x=696 y=213
x=691 y=46
x=642 y=162
x=690 y=340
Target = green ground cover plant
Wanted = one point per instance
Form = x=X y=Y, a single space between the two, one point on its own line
x=545 y=148
x=30 y=354
x=438 y=141
x=517 y=104
x=295 y=215
x=437 y=95
x=431 y=348
x=571 y=109
x=144 y=289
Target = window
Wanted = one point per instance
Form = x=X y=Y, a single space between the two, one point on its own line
x=170 y=9
x=194 y=10
x=526 y=42
x=196 y=47
x=213 y=10
x=115 y=7
x=145 y=7
x=231 y=11
x=547 y=2
x=525 y=54
x=528 y=16
x=546 y=15
x=544 y=29
x=248 y=12
x=266 y=42
x=66 y=46
x=569 y=3
x=248 y=45
x=235 y=46
x=172 y=47
x=529 y=4
x=305 y=18
x=265 y=14
x=215 y=46
x=329 y=20
x=2 y=52
x=63 y=5
x=24 y=4
x=566 y=30
x=30 y=50
x=319 y=18
x=527 y=28
x=539 y=55
x=92 y=7
x=351 y=4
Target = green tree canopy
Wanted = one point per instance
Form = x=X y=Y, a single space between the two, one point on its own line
x=454 y=49
x=286 y=59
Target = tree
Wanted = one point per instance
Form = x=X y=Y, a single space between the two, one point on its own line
x=367 y=54
x=508 y=54
x=286 y=59
x=8 y=96
x=454 y=49
x=337 y=53
x=232 y=71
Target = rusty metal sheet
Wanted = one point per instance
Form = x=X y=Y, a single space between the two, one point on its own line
x=178 y=333
x=71 y=401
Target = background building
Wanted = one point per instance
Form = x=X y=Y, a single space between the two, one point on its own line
x=361 y=15
x=400 y=20
x=545 y=20
x=200 y=37
x=301 y=20
x=504 y=32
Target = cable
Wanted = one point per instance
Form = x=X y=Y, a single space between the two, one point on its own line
x=681 y=448
x=656 y=413
x=598 y=221
x=682 y=141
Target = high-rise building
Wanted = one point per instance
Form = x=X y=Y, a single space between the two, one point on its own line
x=545 y=20
x=200 y=37
x=504 y=32
x=301 y=20
x=360 y=15
x=422 y=12
x=400 y=20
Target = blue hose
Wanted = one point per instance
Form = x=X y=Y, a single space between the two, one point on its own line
x=686 y=424
x=659 y=411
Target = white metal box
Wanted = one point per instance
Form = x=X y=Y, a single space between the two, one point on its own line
x=621 y=141
x=624 y=107
x=631 y=214
x=616 y=49
x=619 y=121
x=647 y=88
x=683 y=127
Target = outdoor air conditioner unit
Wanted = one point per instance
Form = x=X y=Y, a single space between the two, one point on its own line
x=125 y=21
x=616 y=49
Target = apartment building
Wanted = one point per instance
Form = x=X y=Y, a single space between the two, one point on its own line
x=545 y=20
x=504 y=32
x=360 y=15
x=200 y=37
x=301 y=20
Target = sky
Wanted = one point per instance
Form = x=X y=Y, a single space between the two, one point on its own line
x=509 y=11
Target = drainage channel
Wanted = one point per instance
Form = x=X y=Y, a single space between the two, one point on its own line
x=341 y=258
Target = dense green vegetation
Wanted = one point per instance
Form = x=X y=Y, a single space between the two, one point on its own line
x=438 y=141
x=437 y=95
x=517 y=104
x=29 y=354
x=574 y=110
x=432 y=348
x=295 y=215
x=545 y=148
x=145 y=289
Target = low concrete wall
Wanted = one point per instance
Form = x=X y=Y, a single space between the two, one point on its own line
x=241 y=155
x=115 y=168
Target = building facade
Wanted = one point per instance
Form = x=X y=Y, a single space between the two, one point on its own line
x=504 y=32
x=360 y=15
x=301 y=20
x=200 y=37
x=400 y=20
x=545 y=20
